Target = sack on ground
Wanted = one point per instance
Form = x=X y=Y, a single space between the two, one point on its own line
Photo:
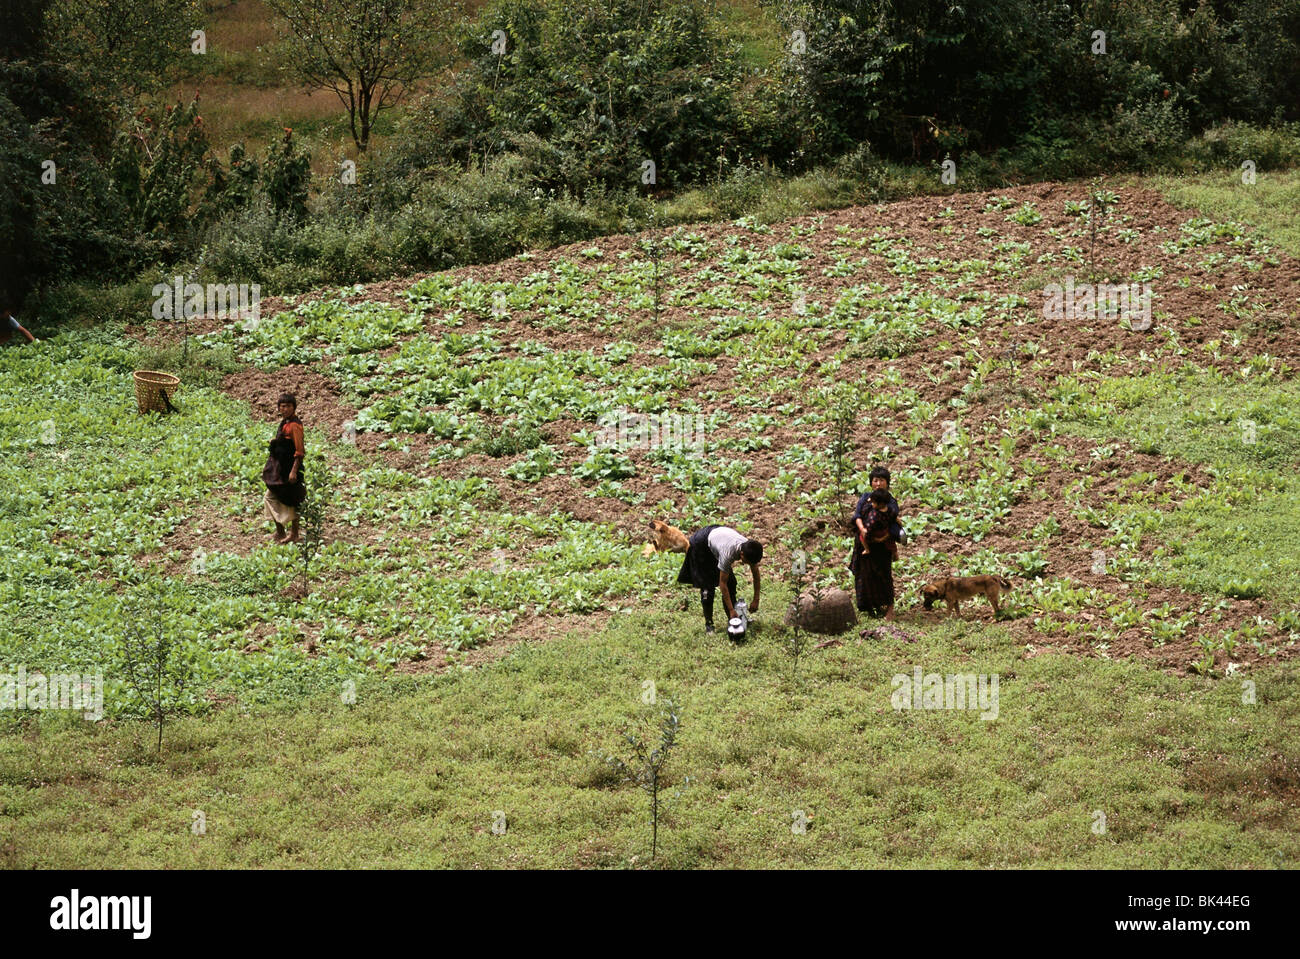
x=830 y=613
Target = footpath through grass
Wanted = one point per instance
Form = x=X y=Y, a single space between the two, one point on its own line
x=1183 y=771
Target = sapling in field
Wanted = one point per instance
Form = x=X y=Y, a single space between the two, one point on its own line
x=1099 y=201
x=655 y=249
x=156 y=668
x=311 y=515
x=646 y=768
x=841 y=402
x=796 y=639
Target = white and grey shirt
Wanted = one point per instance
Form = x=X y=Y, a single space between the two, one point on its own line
x=725 y=543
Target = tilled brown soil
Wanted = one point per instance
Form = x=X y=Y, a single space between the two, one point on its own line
x=1062 y=348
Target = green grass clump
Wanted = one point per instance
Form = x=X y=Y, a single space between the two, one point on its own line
x=1269 y=204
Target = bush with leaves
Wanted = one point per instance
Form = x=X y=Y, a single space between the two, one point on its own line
x=77 y=224
x=923 y=78
x=509 y=439
x=159 y=164
x=586 y=92
x=122 y=47
x=286 y=177
x=233 y=186
x=157 y=667
x=646 y=767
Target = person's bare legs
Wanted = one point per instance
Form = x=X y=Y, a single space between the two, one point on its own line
x=889 y=611
x=293 y=531
x=279 y=533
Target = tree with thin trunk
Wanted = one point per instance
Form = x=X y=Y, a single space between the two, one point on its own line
x=646 y=769
x=369 y=52
x=159 y=671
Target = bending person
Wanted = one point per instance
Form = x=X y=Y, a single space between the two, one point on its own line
x=710 y=556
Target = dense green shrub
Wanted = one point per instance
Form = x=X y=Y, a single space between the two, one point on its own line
x=158 y=166
x=1230 y=144
x=90 y=303
x=235 y=185
x=476 y=217
x=923 y=78
x=1145 y=135
x=60 y=215
x=286 y=177
x=195 y=364
x=587 y=92
x=543 y=144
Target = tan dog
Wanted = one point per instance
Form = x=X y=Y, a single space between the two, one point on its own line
x=666 y=539
x=956 y=588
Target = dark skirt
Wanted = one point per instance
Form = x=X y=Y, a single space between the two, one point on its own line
x=700 y=566
x=290 y=494
x=278 y=466
x=700 y=569
x=873 y=578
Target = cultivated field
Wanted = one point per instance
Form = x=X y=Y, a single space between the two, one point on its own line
x=482 y=597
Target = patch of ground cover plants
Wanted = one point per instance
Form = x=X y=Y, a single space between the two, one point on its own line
x=100 y=497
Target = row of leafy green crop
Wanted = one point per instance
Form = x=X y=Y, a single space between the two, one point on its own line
x=1240 y=536
x=90 y=490
x=568 y=292
x=436 y=385
x=1213 y=542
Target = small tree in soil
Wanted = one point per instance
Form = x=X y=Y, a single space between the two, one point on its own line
x=1099 y=201
x=655 y=249
x=311 y=518
x=156 y=668
x=312 y=521
x=841 y=403
x=657 y=254
x=646 y=767
x=797 y=639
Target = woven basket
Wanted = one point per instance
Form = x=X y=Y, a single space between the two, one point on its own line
x=149 y=388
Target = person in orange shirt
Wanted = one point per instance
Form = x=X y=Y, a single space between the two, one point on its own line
x=283 y=474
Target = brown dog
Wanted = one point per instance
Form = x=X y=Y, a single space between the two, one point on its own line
x=667 y=539
x=956 y=588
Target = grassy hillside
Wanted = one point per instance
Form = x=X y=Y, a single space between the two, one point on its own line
x=1270 y=204
x=482 y=587
x=412 y=774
